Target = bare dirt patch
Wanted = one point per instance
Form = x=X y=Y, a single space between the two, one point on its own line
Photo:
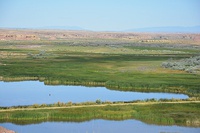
x=4 y=130
x=29 y=46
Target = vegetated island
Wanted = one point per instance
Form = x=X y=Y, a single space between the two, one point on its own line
x=144 y=62
x=161 y=112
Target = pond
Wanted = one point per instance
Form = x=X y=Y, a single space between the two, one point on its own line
x=35 y=92
x=98 y=126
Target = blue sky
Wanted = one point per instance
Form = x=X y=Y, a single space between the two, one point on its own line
x=99 y=14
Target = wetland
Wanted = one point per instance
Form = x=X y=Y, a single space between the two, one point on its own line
x=34 y=92
x=74 y=81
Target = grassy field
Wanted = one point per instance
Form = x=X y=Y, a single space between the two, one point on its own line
x=120 y=67
x=125 y=62
x=184 y=114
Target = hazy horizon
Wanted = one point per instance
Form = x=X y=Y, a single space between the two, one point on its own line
x=104 y=15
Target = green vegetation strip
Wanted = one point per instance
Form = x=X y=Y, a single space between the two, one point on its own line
x=113 y=63
x=127 y=72
x=164 y=113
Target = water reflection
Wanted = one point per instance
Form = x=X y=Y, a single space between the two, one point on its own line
x=99 y=126
x=31 y=92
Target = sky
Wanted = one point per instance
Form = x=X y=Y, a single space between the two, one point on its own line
x=99 y=15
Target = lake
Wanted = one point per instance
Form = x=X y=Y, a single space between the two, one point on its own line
x=35 y=92
x=98 y=126
x=31 y=92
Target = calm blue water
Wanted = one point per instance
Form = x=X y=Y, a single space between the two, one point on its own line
x=32 y=92
x=98 y=126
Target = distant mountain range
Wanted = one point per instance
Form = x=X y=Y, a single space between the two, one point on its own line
x=47 y=28
x=170 y=29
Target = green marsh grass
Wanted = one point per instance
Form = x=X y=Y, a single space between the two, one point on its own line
x=115 y=71
x=113 y=63
x=185 y=114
